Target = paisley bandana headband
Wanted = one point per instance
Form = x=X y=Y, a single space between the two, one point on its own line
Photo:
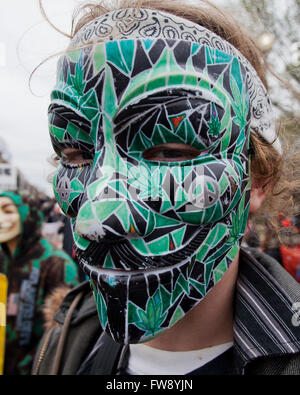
x=153 y=24
x=155 y=227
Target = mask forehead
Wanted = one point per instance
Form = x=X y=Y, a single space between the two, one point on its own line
x=122 y=72
x=153 y=24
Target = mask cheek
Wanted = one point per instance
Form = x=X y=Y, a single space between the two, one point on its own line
x=69 y=185
x=212 y=193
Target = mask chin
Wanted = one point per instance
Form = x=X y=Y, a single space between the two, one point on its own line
x=135 y=306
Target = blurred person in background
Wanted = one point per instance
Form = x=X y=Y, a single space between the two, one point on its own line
x=33 y=269
x=57 y=230
x=282 y=242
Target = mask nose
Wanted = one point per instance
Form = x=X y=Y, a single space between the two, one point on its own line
x=109 y=213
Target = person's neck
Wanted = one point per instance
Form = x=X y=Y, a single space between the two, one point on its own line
x=208 y=324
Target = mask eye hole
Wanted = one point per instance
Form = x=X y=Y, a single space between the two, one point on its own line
x=171 y=152
x=76 y=157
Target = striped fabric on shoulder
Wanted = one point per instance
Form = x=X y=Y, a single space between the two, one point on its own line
x=265 y=322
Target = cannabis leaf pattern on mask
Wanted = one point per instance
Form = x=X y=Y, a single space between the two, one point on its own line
x=153 y=236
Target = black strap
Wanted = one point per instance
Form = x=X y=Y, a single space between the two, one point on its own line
x=104 y=358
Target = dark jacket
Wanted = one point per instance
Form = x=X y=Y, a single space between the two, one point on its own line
x=34 y=270
x=266 y=328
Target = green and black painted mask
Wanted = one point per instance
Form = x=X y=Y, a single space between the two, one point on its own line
x=153 y=134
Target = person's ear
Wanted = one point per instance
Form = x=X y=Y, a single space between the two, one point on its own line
x=258 y=195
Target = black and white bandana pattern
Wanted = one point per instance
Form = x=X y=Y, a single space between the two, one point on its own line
x=153 y=24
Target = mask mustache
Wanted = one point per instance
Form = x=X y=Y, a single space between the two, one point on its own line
x=128 y=259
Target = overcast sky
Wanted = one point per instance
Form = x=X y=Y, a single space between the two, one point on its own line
x=26 y=40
